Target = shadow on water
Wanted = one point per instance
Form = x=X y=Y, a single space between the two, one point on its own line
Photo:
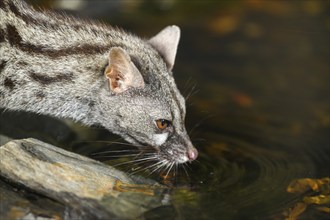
x=260 y=113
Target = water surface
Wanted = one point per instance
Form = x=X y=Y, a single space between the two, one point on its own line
x=259 y=110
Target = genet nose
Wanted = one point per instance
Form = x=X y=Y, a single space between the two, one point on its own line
x=192 y=154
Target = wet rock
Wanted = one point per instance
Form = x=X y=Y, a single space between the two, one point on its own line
x=87 y=188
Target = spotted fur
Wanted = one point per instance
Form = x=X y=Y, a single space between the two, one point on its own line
x=54 y=64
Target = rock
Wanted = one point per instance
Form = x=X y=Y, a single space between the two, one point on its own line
x=88 y=188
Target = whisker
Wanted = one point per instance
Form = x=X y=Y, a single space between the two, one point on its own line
x=142 y=169
x=115 y=156
x=196 y=160
x=169 y=169
x=187 y=86
x=193 y=91
x=190 y=87
x=122 y=143
x=165 y=167
x=108 y=143
x=134 y=161
x=114 y=151
x=176 y=171
x=149 y=159
x=160 y=165
x=157 y=164
x=199 y=140
x=185 y=170
x=199 y=123
x=100 y=141
x=131 y=154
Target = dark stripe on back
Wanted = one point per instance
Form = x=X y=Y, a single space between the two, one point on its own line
x=46 y=80
x=2 y=35
x=87 y=49
x=28 y=19
x=2 y=5
x=13 y=36
x=14 y=9
x=2 y=65
x=9 y=83
x=40 y=95
x=44 y=23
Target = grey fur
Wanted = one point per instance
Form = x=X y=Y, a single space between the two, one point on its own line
x=57 y=65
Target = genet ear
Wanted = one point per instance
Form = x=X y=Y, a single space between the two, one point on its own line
x=166 y=43
x=121 y=72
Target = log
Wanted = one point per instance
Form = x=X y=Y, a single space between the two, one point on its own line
x=88 y=188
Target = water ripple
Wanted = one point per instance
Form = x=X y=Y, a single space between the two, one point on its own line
x=236 y=176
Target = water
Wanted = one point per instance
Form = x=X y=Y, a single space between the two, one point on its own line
x=257 y=77
x=260 y=104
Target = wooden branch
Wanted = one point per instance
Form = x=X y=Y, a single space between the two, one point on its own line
x=93 y=189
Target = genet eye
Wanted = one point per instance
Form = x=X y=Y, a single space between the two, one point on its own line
x=163 y=124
